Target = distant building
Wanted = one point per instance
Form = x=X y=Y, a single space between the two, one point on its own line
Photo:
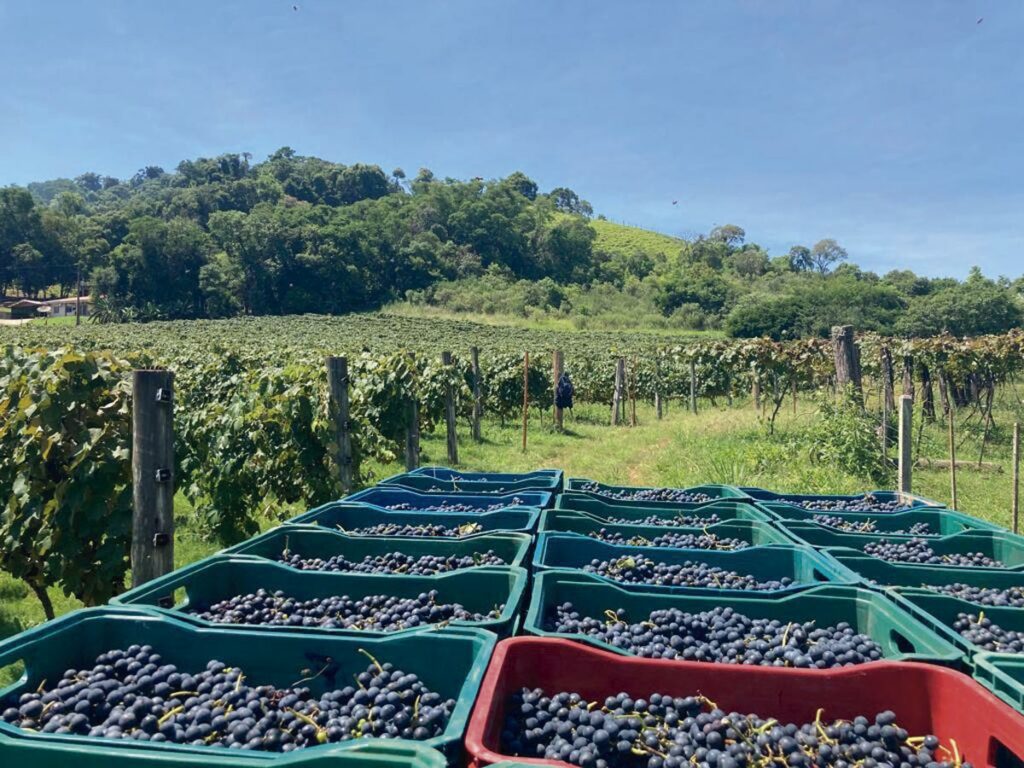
x=29 y=308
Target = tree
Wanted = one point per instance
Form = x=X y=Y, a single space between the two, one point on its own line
x=29 y=269
x=977 y=306
x=777 y=317
x=730 y=234
x=751 y=262
x=567 y=201
x=827 y=253
x=90 y=182
x=800 y=258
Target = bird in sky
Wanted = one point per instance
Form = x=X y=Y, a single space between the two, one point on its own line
x=295 y=7
x=674 y=202
x=980 y=20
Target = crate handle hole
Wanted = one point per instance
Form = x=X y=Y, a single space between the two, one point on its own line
x=1001 y=756
x=12 y=674
x=903 y=643
x=818 y=575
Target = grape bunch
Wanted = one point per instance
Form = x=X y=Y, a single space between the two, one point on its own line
x=983 y=632
x=637 y=569
x=379 y=613
x=450 y=506
x=679 y=521
x=134 y=694
x=674 y=539
x=917 y=551
x=1011 y=596
x=648 y=494
x=392 y=562
x=866 y=503
x=724 y=636
x=418 y=530
x=663 y=731
x=869 y=526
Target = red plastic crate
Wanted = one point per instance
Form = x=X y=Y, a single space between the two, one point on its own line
x=926 y=699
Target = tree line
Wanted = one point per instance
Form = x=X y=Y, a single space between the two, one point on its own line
x=223 y=236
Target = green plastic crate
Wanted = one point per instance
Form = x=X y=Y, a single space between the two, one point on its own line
x=368 y=754
x=901 y=636
x=1003 y=674
x=938 y=612
x=944 y=522
x=346 y=516
x=279 y=659
x=881 y=574
x=794 y=499
x=444 y=480
x=716 y=492
x=751 y=531
x=325 y=543
x=724 y=510
x=201 y=584
x=1004 y=547
x=387 y=496
x=567 y=552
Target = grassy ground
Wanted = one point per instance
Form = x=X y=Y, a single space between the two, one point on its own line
x=719 y=445
x=627 y=240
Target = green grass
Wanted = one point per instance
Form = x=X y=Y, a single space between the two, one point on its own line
x=626 y=240
x=719 y=445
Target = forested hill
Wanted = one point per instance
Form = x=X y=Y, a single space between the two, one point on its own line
x=224 y=236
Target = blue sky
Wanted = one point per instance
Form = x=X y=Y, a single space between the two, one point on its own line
x=896 y=128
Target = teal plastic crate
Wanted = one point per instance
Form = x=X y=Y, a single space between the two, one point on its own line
x=325 y=543
x=938 y=612
x=378 y=753
x=387 y=496
x=445 y=480
x=901 y=636
x=217 y=578
x=723 y=510
x=881 y=574
x=1003 y=674
x=941 y=522
x=753 y=532
x=346 y=517
x=1004 y=547
x=600 y=491
x=908 y=500
x=279 y=659
x=557 y=551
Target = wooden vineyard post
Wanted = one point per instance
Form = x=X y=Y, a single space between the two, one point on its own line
x=152 y=550
x=449 y=412
x=906 y=441
x=632 y=394
x=952 y=463
x=337 y=381
x=794 y=397
x=657 y=388
x=412 y=432
x=526 y=395
x=845 y=354
x=693 y=387
x=1015 y=505
x=620 y=375
x=557 y=366
x=478 y=409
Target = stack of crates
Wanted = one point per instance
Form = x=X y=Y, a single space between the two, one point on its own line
x=467 y=515
x=941 y=594
x=923 y=676
x=532 y=541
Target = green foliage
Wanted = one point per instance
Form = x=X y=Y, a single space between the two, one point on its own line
x=978 y=306
x=846 y=436
x=64 y=471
